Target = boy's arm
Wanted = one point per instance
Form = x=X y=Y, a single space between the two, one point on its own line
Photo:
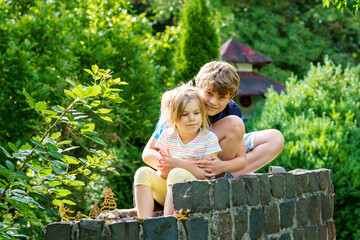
x=151 y=153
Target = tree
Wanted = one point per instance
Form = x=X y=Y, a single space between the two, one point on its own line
x=318 y=117
x=352 y=5
x=199 y=41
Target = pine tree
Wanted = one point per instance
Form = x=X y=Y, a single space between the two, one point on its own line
x=199 y=41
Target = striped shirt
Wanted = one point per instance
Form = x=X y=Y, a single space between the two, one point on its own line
x=205 y=143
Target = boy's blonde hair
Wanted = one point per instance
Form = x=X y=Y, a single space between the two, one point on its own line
x=173 y=103
x=221 y=75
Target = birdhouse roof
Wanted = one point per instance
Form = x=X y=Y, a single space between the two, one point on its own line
x=234 y=51
x=255 y=84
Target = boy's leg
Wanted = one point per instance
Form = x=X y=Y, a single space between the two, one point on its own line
x=267 y=146
x=230 y=132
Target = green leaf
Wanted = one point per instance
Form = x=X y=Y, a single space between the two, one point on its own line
x=71 y=82
x=61 y=164
x=70 y=94
x=6 y=152
x=57 y=169
x=56 y=154
x=76 y=183
x=62 y=192
x=54 y=183
x=88 y=127
x=92 y=91
x=45 y=172
x=40 y=106
x=26 y=147
x=36 y=142
x=4 y=206
x=103 y=110
x=106 y=118
x=71 y=160
x=70 y=148
x=13 y=147
x=58 y=109
x=52 y=147
x=57 y=202
x=10 y=165
x=56 y=135
x=5 y=172
x=29 y=99
x=95 y=68
x=97 y=140
x=49 y=112
x=89 y=71
x=95 y=103
x=63 y=142
x=115 y=98
x=68 y=202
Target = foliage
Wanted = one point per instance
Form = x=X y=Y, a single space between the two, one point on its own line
x=199 y=41
x=318 y=117
x=352 y=5
x=44 y=166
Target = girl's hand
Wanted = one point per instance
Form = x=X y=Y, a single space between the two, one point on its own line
x=212 y=165
x=163 y=169
x=169 y=161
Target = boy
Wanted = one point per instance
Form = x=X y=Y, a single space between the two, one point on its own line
x=241 y=153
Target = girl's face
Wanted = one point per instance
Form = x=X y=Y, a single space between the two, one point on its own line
x=190 y=121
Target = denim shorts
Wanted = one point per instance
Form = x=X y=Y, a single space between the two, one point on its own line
x=249 y=141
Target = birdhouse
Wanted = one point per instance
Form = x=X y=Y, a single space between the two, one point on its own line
x=253 y=86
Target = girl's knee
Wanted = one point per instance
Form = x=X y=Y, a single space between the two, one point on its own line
x=141 y=173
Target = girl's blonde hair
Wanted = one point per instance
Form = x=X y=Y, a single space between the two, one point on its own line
x=173 y=103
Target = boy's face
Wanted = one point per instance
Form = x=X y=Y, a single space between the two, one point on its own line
x=214 y=102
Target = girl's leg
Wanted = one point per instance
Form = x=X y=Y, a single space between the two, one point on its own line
x=169 y=205
x=144 y=201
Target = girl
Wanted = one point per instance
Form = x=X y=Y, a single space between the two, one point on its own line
x=186 y=140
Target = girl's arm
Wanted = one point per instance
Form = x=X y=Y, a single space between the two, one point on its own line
x=172 y=162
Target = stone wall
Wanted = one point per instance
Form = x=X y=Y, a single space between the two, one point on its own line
x=294 y=205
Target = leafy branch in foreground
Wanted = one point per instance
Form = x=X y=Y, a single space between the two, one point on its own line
x=44 y=167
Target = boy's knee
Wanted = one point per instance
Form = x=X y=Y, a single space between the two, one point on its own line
x=278 y=138
x=235 y=126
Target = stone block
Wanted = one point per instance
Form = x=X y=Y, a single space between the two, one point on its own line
x=124 y=229
x=257 y=222
x=162 y=228
x=314 y=209
x=192 y=195
x=222 y=225
x=238 y=191
x=277 y=185
x=299 y=234
x=265 y=189
x=252 y=189
x=331 y=230
x=57 y=231
x=221 y=193
x=301 y=183
x=313 y=182
x=326 y=207
x=272 y=219
x=286 y=214
x=302 y=211
x=241 y=222
x=90 y=229
x=196 y=228
x=285 y=236
x=322 y=234
x=324 y=178
x=289 y=185
x=310 y=233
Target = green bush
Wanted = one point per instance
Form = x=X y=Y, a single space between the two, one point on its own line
x=318 y=117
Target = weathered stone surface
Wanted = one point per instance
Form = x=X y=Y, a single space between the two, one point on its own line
x=265 y=189
x=222 y=225
x=257 y=222
x=241 y=222
x=272 y=219
x=238 y=190
x=125 y=229
x=221 y=194
x=326 y=207
x=162 y=228
x=301 y=183
x=252 y=189
x=57 y=231
x=313 y=182
x=286 y=214
x=196 y=228
x=310 y=233
x=289 y=185
x=302 y=211
x=322 y=234
x=285 y=236
x=299 y=234
x=277 y=185
x=331 y=230
x=314 y=209
x=192 y=195
x=90 y=229
x=324 y=178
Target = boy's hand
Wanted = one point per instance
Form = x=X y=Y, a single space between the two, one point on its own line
x=212 y=165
